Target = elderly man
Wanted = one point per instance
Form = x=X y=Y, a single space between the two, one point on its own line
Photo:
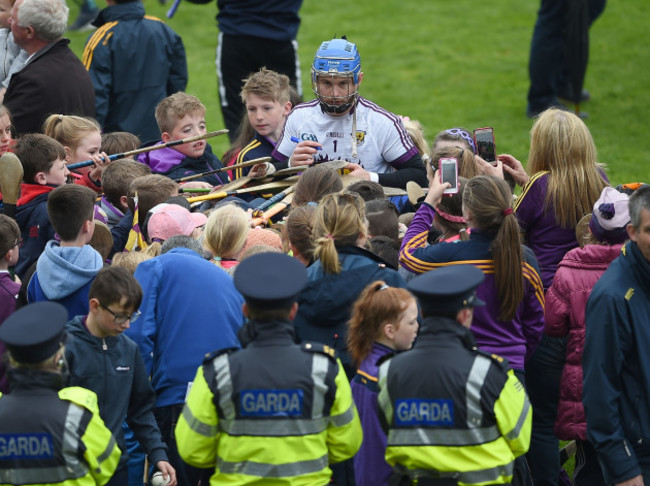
x=53 y=79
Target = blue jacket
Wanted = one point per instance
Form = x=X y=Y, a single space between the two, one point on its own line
x=258 y=147
x=616 y=365
x=134 y=61
x=173 y=164
x=64 y=275
x=325 y=304
x=190 y=307
x=113 y=368
x=35 y=227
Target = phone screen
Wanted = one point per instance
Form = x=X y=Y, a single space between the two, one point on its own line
x=485 y=144
x=449 y=173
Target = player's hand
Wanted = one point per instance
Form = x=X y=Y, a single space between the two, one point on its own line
x=304 y=153
x=357 y=171
x=513 y=167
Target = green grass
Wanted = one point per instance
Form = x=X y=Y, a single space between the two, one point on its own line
x=462 y=63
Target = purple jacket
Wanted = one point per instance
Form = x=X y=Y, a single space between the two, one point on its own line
x=516 y=339
x=566 y=303
x=370 y=466
x=544 y=236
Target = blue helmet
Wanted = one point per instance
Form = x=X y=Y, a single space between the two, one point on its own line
x=336 y=57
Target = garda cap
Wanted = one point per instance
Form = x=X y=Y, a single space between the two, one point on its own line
x=446 y=290
x=270 y=280
x=35 y=332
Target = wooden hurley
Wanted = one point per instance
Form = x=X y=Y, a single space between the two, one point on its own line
x=11 y=175
x=221 y=194
x=248 y=163
x=151 y=148
x=267 y=215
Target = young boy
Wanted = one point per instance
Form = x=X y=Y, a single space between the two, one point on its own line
x=116 y=179
x=107 y=362
x=266 y=96
x=9 y=288
x=65 y=270
x=43 y=160
x=182 y=116
x=134 y=61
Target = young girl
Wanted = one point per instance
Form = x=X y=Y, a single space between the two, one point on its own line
x=384 y=320
x=225 y=235
x=82 y=140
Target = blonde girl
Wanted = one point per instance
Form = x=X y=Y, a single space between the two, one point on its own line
x=82 y=140
x=225 y=234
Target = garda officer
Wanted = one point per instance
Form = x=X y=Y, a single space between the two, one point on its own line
x=273 y=410
x=48 y=434
x=454 y=415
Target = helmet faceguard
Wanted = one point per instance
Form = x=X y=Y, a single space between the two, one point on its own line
x=336 y=58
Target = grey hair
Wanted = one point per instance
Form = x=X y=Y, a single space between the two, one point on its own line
x=640 y=199
x=48 y=18
x=182 y=241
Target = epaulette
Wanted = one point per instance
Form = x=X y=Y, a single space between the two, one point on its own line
x=320 y=348
x=210 y=356
x=386 y=357
x=503 y=363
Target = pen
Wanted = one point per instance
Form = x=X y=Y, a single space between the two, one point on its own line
x=297 y=140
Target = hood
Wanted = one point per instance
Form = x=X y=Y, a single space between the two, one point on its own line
x=29 y=192
x=591 y=257
x=122 y=11
x=64 y=270
x=161 y=160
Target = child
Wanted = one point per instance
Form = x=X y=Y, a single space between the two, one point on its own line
x=115 y=182
x=266 y=95
x=6 y=137
x=81 y=138
x=298 y=232
x=182 y=116
x=384 y=320
x=455 y=137
x=134 y=61
x=44 y=168
x=107 y=362
x=119 y=142
x=225 y=234
x=65 y=270
x=9 y=286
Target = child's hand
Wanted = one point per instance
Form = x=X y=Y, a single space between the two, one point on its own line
x=196 y=185
x=261 y=170
x=436 y=188
x=513 y=167
x=486 y=168
x=101 y=161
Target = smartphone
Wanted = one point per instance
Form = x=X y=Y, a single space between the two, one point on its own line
x=449 y=173
x=484 y=138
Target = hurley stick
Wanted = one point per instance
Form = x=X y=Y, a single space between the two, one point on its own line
x=222 y=194
x=278 y=208
x=11 y=175
x=173 y=143
x=261 y=160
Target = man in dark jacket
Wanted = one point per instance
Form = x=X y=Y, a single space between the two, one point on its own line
x=615 y=361
x=101 y=359
x=53 y=79
x=134 y=62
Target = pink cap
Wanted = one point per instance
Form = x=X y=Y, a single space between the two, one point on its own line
x=169 y=220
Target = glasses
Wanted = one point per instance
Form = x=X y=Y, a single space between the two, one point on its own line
x=18 y=242
x=120 y=318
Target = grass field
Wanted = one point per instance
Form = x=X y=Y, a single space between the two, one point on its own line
x=461 y=63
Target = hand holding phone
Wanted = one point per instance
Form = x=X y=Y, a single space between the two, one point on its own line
x=485 y=147
x=449 y=173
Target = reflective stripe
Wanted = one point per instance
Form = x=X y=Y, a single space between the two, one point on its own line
x=442 y=437
x=468 y=477
x=263 y=470
x=274 y=427
x=385 y=403
x=475 y=382
x=514 y=433
x=70 y=443
x=319 y=367
x=344 y=418
x=221 y=367
x=196 y=425
x=108 y=451
x=34 y=475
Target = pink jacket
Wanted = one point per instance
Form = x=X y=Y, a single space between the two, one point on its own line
x=566 y=301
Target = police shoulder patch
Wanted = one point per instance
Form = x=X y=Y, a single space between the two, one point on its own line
x=319 y=348
x=503 y=363
x=210 y=356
